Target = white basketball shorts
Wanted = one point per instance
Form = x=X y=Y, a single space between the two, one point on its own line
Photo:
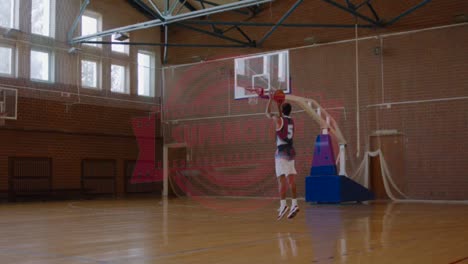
x=284 y=167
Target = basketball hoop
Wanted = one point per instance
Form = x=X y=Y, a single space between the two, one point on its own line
x=256 y=92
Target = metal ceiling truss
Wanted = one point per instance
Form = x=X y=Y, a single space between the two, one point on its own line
x=203 y=2
x=286 y=15
x=215 y=34
x=188 y=5
x=377 y=21
x=164 y=44
x=268 y=24
x=167 y=17
x=77 y=19
x=407 y=12
x=146 y=10
x=160 y=16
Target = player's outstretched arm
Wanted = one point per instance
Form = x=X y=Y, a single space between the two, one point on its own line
x=268 y=109
x=278 y=121
x=279 y=110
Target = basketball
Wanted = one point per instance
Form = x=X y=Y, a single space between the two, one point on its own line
x=279 y=96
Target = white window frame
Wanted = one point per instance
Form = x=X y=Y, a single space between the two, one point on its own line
x=52 y=15
x=98 y=17
x=12 y=62
x=126 y=77
x=51 y=73
x=98 y=73
x=126 y=47
x=152 y=73
x=14 y=22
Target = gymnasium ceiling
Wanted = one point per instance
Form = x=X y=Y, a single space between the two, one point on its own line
x=260 y=23
x=186 y=6
x=271 y=15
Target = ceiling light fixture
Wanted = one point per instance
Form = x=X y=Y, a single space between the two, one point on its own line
x=120 y=36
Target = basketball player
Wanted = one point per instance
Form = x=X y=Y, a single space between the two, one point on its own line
x=284 y=157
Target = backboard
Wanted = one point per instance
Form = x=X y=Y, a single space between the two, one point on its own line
x=8 y=103
x=269 y=71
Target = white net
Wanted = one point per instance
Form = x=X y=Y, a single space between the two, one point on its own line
x=362 y=175
x=253 y=100
x=409 y=111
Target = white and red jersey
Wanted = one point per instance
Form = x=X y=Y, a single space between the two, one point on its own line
x=284 y=139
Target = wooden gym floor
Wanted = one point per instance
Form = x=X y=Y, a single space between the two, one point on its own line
x=187 y=231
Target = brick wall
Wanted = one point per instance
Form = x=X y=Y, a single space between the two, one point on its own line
x=48 y=129
x=63 y=121
x=428 y=65
x=420 y=75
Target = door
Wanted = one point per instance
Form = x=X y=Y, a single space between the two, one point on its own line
x=177 y=159
x=393 y=150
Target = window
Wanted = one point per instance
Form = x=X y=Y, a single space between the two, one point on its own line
x=42 y=17
x=41 y=67
x=145 y=74
x=120 y=48
x=8 y=13
x=89 y=74
x=119 y=79
x=90 y=24
x=6 y=63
